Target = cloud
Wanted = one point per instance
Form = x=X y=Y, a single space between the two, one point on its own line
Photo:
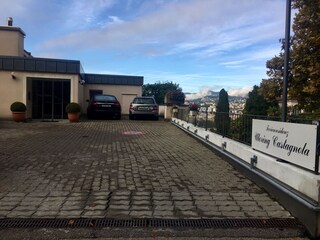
x=242 y=92
x=203 y=28
x=205 y=91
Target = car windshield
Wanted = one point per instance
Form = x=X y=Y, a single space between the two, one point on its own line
x=105 y=98
x=143 y=101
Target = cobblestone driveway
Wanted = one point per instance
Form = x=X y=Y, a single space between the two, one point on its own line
x=120 y=169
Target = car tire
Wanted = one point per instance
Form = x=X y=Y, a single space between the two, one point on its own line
x=156 y=118
x=118 y=117
x=130 y=117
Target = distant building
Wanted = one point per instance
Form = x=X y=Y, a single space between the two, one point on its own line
x=47 y=85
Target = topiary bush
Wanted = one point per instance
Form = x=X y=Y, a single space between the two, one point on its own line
x=73 y=108
x=18 y=107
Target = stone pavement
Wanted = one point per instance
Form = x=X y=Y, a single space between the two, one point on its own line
x=120 y=169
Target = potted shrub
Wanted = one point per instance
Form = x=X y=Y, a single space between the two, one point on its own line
x=73 y=110
x=193 y=109
x=18 y=110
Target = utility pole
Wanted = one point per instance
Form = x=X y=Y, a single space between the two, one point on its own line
x=286 y=62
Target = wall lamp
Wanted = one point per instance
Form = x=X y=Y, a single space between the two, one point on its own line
x=12 y=75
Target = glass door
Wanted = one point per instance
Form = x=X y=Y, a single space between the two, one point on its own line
x=49 y=98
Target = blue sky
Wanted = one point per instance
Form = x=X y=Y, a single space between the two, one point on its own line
x=200 y=44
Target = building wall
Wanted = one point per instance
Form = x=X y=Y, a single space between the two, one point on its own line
x=124 y=93
x=11 y=43
x=18 y=89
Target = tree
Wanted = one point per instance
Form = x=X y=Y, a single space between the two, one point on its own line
x=304 y=72
x=305 y=85
x=159 y=90
x=271 y=88
x=256 y=104
x=222 y=120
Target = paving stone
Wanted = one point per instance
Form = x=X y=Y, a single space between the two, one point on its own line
x=251 y=208
x=225 y=203
x=142 y=194
x=229 y=208
x=118 y=207
x=246 y=203
x=141 y=198
x=70 y=208
x=141 y=213
x=278 y=214
x=159 y=202
x=205 y=203
x=99 y=202
x=256 y=214
x=25 y=208
x=73 y=213
x=164 y=208
x=119 y=202
x=189 y=213
x=141 y=202
x=208 y=208
x=117 y=213
x=140 y=207
x=116 y=198
x=14 y=214
x=203 y=198
x=186 y=208
x=12 y=203
x=15 y=194
x=183 y=203
x=95 y=213
x=233 y=214
x=212 y=213
x=45 y=214
x=4 y=213
x=166 y=214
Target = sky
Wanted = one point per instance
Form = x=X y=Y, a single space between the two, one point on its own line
x=200 y=44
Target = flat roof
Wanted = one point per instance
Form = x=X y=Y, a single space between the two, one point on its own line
x=63 y=66
x=14 y=29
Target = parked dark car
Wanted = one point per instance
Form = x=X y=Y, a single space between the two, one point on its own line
x=104 y=106
x=144 y=107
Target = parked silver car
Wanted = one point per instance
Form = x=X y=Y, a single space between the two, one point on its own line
x=144 y=107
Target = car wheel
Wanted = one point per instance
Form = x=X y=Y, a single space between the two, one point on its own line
x=118 y=117
x=156 y=118
x=131 y=117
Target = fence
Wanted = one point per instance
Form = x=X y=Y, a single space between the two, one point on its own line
x=234 y=126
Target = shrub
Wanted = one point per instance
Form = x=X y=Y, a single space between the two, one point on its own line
x=73 y=108
x=193 y=107
x=18 y=107
x=175 y=97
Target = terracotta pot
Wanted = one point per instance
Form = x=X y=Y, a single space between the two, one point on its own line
x=19 y=116
x=73 y=117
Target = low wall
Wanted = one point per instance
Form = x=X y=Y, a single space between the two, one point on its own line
x=300 y=183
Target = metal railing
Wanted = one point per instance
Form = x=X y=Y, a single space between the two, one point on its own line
x=234 y=126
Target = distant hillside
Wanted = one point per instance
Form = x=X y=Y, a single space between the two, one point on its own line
x=212 y=97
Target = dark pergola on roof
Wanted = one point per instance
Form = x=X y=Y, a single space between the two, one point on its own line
x=43 y=65
x=108 y=79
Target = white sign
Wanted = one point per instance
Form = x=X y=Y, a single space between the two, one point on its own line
x=291 y=142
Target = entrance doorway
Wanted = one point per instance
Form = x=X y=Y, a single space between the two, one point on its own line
x=49 y=98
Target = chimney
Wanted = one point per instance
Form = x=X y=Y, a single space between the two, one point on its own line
x=10 y=21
